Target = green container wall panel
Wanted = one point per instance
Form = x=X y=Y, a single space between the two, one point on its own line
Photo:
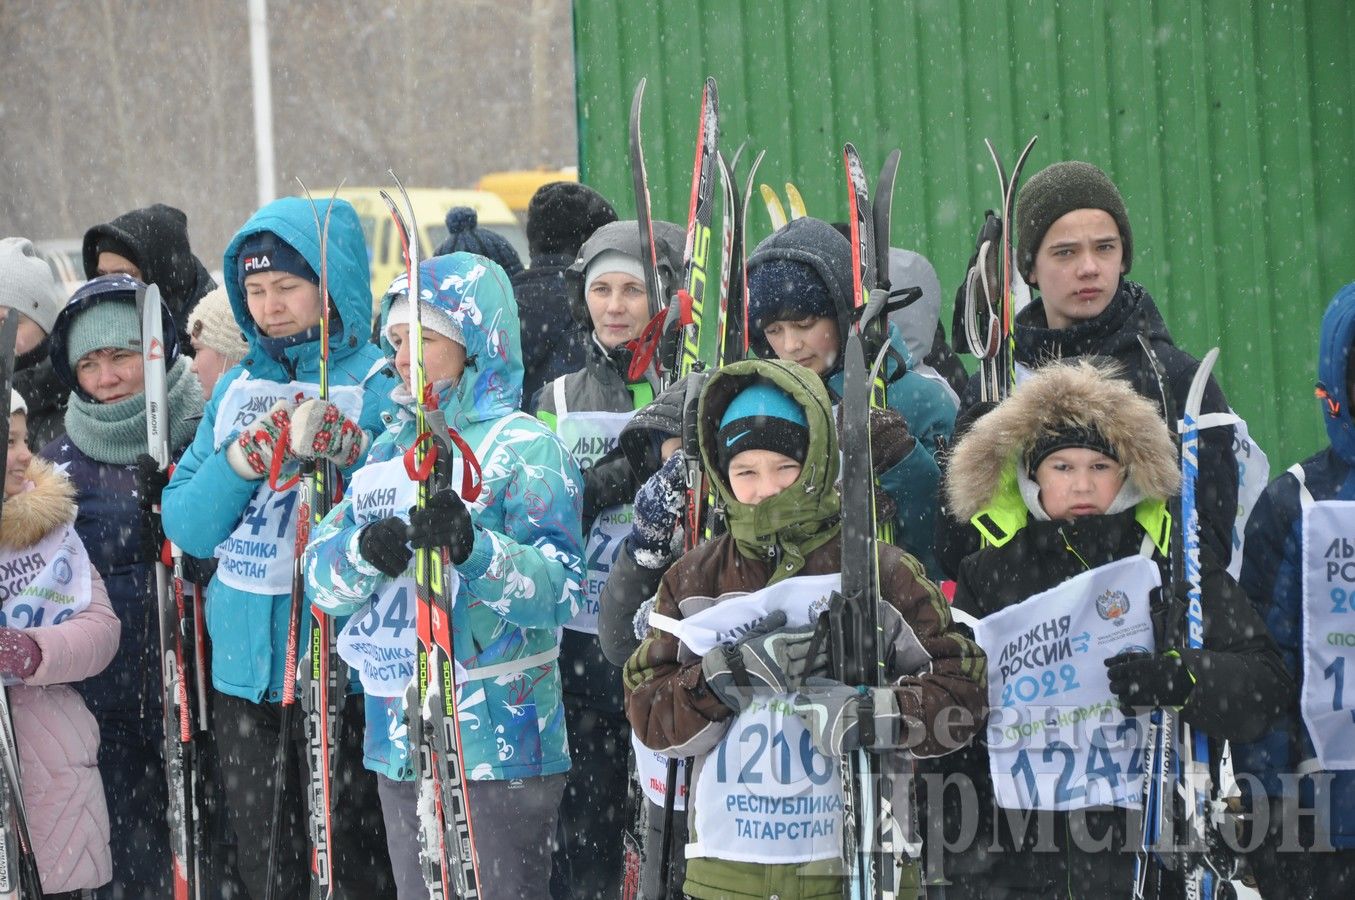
x=1227 y=125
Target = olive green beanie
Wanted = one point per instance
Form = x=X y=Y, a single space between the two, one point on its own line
x=1057 y=190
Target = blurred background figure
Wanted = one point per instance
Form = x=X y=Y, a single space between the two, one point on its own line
x=151 y=244
x=218 y=343
x=560 y=217
x=27 y=287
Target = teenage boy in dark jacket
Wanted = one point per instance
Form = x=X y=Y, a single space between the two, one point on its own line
x=1075 y=246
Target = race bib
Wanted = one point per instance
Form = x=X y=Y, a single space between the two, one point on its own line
x=1253 y=474
x=44 y=584
x=589 y=436
x=1056 y=738
x=1329 y=630
x=765 y=795
x=380 y=642
x=257 y=557
x=652 y=770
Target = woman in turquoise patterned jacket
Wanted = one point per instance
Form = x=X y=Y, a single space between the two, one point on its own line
x=516 y=553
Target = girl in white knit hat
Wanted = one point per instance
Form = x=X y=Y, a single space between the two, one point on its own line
x=218 y=343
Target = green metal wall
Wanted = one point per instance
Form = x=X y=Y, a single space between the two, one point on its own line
x=1228 y=126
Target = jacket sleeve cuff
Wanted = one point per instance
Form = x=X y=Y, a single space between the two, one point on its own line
x=355 y=557
x=481 y=555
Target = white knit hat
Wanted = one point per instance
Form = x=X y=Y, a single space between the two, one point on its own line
x=16 y=402
x=212 y=324
x=431 y=316
x=26 y=283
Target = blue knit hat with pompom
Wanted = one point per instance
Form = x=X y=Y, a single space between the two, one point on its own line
x=463 y=236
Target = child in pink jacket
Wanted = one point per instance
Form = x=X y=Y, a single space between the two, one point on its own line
x=56 y=629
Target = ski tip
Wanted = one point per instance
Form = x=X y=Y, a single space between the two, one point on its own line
x=775 y=211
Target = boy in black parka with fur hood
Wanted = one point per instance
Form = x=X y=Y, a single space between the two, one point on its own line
x=1074 y=423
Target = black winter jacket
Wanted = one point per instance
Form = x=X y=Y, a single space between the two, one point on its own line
x=552 y=341
x=1114 y=335
x=1241 y=686
x=43 y=393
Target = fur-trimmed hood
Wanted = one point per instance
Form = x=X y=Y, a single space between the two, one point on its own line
x=32 y=515
x=1077 y=394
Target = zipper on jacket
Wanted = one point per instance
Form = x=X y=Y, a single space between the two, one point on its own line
x=1071 y=549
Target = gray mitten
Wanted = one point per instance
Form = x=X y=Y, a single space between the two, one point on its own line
x=833 y=713
x=320 y=430
x=770 y=659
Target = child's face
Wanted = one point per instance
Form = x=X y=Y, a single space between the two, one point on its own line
x=755 y=475
x=1078 y=482
x=812 y=342
x=18 y=456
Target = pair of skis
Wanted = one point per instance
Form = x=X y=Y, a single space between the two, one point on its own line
x=446 y=830
x=776 y=211
x=989 y=314
x=18 y=865
x=694 y=352
x=1174 y=752
x=875 y=839
x=316 y=672
x=182 y=646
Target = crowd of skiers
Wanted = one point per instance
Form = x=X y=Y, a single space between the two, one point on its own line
x=615 y=694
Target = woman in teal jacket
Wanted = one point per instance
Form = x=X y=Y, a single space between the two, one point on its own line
x=517 y=555
x=219 y=503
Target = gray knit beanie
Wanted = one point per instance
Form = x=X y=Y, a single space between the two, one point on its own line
x=1057 y=190
x=113 y=324
x=212 y=324
x=26 y=283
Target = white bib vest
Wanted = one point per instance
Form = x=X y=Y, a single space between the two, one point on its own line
x=44 y=584
x=257 y=557
x=589 y=436
x=1327 y=699
x=380 y=642
x=1056 y=738
x=765 y=795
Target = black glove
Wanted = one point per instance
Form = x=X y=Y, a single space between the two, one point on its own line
x=890 y=439
x=151 y=536
x=1139 y=679
x=443 y=522
x=150 y=481
x=608 y=482
x=384 y=544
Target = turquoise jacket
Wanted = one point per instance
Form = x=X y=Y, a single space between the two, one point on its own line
x=914 y=482
x=523 y=577
x=206 y=499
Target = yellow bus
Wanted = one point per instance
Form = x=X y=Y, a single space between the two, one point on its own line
x=517 y=187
